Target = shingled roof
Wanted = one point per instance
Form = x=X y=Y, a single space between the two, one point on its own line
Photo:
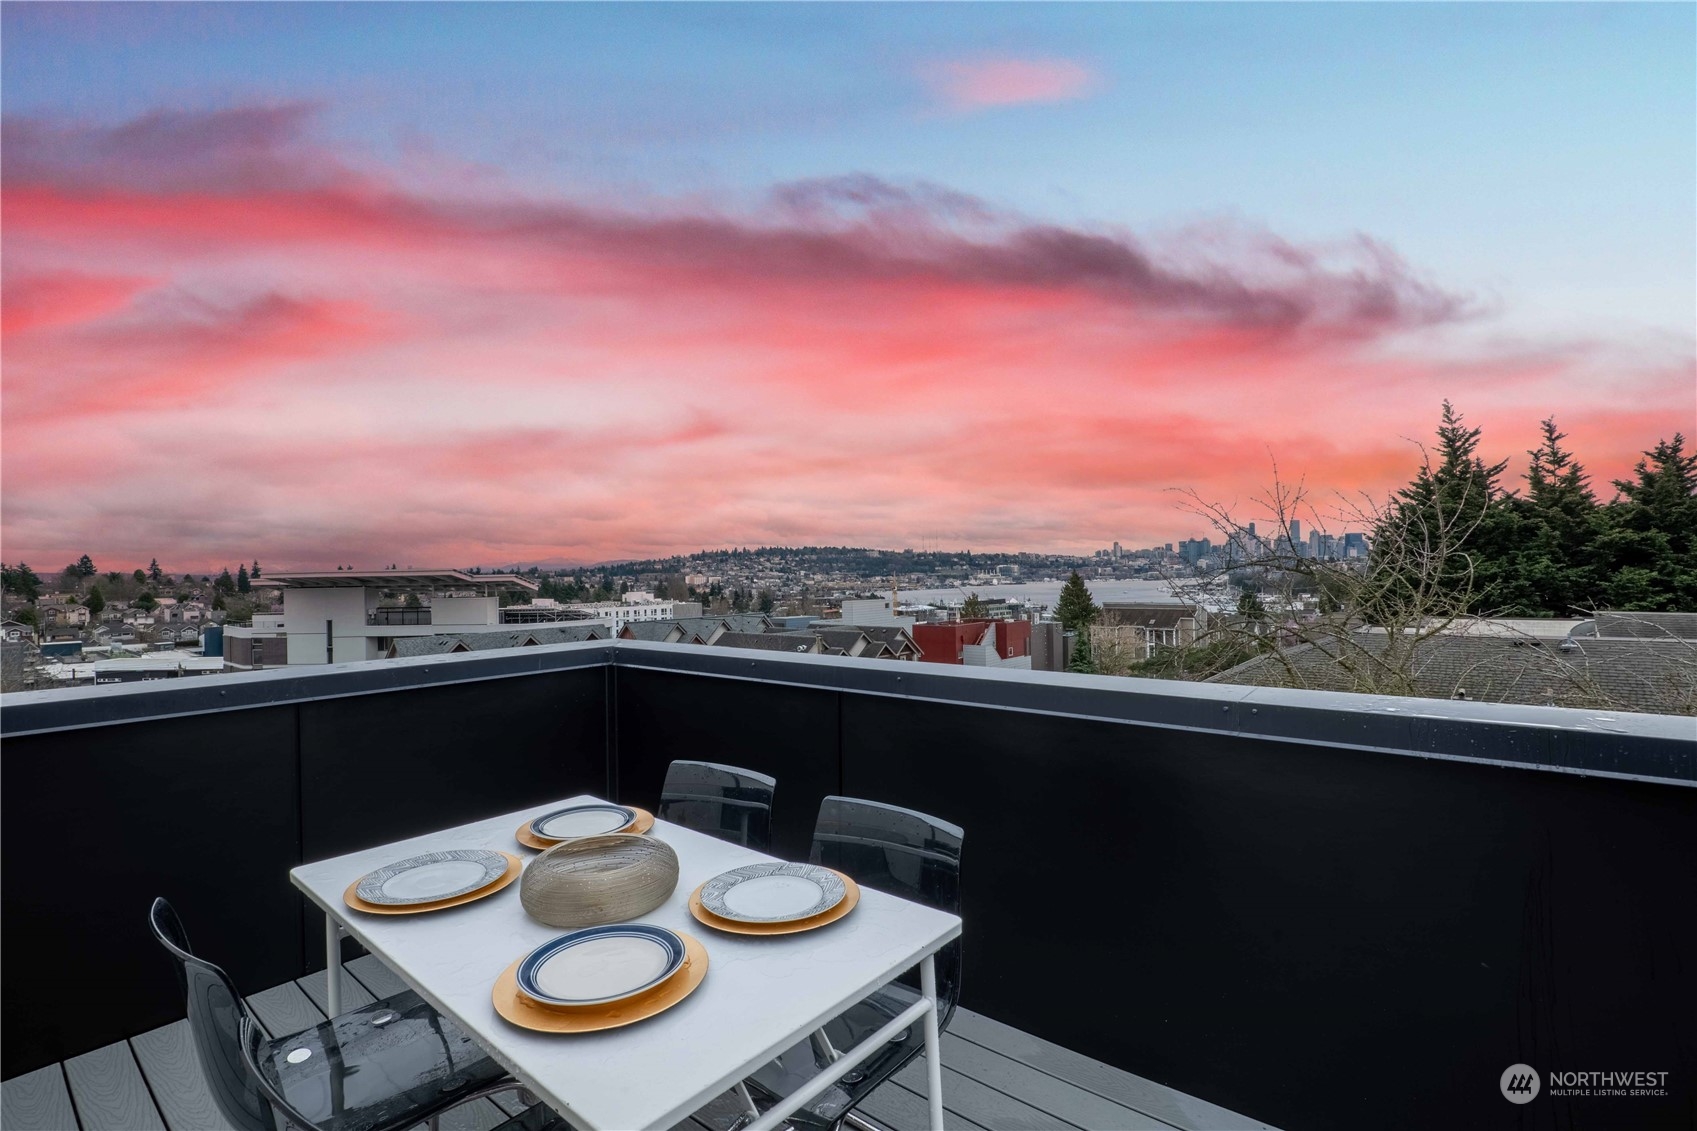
x=772 y=641
x=1620 y=674
x=1614 y=624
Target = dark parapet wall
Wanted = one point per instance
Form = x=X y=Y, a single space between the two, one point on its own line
x=1322 y=910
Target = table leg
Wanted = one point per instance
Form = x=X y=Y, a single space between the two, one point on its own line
x=933 y=1043
x=333 y=966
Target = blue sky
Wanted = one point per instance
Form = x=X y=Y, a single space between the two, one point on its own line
x=1542 y=152
x=1206 y=234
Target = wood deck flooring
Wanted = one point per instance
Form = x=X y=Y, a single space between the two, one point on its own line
x=995 y=1078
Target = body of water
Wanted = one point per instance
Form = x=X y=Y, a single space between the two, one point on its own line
x=1042 y=592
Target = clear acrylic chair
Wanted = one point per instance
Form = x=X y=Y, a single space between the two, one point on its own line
x=900 y=852
x=390 y=1065
x=723 y=801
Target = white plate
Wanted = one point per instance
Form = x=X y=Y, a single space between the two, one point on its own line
x=433 y=876
x=601 y=964
x=773 y=893
x=582 y=820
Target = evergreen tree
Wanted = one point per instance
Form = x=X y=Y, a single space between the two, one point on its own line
x=146 y=601
x=242 y=583
x=20 y=579
x=95 y=601
x=254 y=572
x=1554 y=567
x=225 y=583
x=1075 y=609
x=153 y=571
x=140 y=576
x=973 y=608
x=1082 y=661
x=1444 y=528
x=1650 y=546
x=85 y=566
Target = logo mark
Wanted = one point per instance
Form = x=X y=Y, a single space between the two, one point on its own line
x=1519 y=1083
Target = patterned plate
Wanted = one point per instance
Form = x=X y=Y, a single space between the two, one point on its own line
x=582 y=820
x=772 y=893
x=600 y=964
x=432 y=876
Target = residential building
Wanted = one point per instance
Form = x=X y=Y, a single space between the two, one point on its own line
x=1139 y=628
x=799 y=643
x=76 y=616
x=634 y=608
x=341 y=615
x=877 y=610
x=976 y=643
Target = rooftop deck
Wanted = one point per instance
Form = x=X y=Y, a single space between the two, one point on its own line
x=1297 y=894
x=995 y=1078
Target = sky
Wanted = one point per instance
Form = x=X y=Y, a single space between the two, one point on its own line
x=439 y=284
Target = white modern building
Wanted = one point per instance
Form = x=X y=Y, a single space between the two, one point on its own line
x=343 y=615
x=633 y=608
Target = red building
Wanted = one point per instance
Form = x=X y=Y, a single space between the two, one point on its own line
x=980 y=643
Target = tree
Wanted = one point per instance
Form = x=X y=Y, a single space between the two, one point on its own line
x=26 y=615
x=21 y=580
x=225 y=583
x=140 y=576
x=1249 y=605
x=1082 y=661
x=85 y=566
x=1650 y=542
x=254 y=572
x=1075 y=609
x=95 y=601
x=1552 y=568
x=768 y=601
x=242 y=583
x=153 y=571
x=1445 y=515
x=146 y=602
x=973 y=608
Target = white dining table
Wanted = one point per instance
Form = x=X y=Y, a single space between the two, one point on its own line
x=761 y=996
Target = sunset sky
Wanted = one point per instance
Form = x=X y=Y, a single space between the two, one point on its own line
x=445 y=285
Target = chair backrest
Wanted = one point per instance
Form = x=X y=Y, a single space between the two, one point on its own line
x=901 y=852
x=215 y=1012
x=724 y=801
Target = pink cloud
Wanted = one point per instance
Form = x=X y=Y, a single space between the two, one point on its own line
x=974 y=84
x=287 y=362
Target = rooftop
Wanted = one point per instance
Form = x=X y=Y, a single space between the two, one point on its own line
x=1264 y=890
x=399 y=579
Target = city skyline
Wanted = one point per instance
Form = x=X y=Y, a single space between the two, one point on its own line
x=323 y=284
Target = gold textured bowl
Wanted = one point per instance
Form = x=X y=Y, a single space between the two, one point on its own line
x=592 y=880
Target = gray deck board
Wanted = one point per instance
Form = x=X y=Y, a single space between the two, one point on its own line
x=354 y=995
x=1166 y=1104
x=900 y=1109
x=110 y=1094
x=995 y=1077
x=375 y=976
x=174 y=1076
x=284 y=1009
x=37 y=1101
x=980 y=1103
x=1055 y=1096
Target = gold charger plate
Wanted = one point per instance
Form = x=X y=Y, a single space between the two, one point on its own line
x=514 y=867
x=512 y=1004
x=644 y=821
x=851 y=896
